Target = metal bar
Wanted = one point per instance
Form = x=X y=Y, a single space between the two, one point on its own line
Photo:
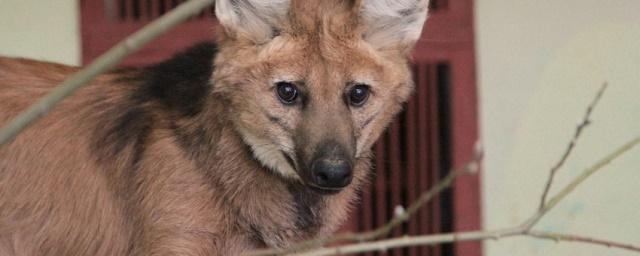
x=136 y=10
x=381 y=186
x=434 y=205
x=150 y=9
x=395 y=174
x=123 y=10
x=423 y=148
x=411 y=151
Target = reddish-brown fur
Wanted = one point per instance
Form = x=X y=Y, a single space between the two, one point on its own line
x=116 y=169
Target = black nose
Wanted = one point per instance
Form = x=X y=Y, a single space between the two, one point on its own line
x=331 y=173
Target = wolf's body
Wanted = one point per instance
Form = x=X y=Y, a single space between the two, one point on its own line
x=184 y=158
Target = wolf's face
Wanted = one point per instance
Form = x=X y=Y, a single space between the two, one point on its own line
x=312 y=84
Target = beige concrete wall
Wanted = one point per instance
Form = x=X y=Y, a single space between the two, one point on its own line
x=40 y=29
x=540 y=64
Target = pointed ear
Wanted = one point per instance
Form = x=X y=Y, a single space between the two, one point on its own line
x=393 y=23
x=256 y=20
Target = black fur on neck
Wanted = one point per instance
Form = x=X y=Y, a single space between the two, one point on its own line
x=179 y=86
x=181 y=83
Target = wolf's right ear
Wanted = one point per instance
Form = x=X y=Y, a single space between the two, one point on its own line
x=393 y=23
x=256 y=20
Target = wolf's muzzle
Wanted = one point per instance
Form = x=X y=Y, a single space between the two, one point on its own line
x=331 y=173
x=331 y=169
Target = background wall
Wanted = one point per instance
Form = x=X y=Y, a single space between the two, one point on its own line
x=45 y=30
x=540 y=64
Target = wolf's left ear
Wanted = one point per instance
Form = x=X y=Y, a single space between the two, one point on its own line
x=256 y=20
x=393 y=23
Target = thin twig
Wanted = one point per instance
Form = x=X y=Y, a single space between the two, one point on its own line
x=585 y=122
x=105 y=62
x=578 y=180
x=469 y=168
x=408 y=241
x=582 y=239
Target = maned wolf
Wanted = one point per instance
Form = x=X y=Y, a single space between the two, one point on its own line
x=260 y=141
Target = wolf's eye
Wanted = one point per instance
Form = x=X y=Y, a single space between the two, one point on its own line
x=287 y=92
x=358 y=95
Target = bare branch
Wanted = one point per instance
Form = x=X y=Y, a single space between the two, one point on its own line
x=585 y=122
x=408 y=241
x=581 y=178
x=520 y=230
x=102 y=64
x=574 y=238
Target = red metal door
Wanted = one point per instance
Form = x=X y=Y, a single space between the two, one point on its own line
x=436 y=131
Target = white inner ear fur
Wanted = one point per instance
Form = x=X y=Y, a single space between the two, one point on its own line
x=253 y=19
x=393 y=22
x=269 y=155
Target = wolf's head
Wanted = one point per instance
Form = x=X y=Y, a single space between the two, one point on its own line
x=311 y=84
